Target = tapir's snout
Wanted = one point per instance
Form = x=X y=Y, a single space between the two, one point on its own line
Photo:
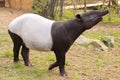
x=92 y=18
x=103 y=13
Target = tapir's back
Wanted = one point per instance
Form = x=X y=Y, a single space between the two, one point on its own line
x=34 y=30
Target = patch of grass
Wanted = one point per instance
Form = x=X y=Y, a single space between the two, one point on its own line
x=99 y=60
x=102 y=32
x=4 y=39
x=8 y=53
x=17 y=65
x=112 y=17
x=21 y=72
x=100 y=63
x=50 y=58
x=75 y=77
x=94 y=34
x=116 y=33
x=67 y=63
x=39 y=72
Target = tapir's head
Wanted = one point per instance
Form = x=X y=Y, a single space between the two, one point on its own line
x=90 y=19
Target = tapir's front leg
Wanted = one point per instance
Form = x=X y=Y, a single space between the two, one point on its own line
x=61 y=62
x=60 y=57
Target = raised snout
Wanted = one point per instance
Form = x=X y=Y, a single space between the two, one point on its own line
x=103 y=13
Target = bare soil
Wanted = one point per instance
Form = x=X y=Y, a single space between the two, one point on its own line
x=6 y=15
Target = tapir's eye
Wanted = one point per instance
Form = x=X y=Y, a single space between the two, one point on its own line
x=78 y=16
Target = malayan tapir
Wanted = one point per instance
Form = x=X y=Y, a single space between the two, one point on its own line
x=32 y=31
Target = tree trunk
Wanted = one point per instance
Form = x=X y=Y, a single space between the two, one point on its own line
x=114 y=2
x=20 y=4
x=10 y=6
x=61 y=8
x=85 y=7
x=48 y=8
x=9 y=2
x=110 y=3
x=51 y=8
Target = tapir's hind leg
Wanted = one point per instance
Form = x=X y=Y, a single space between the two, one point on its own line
x=17 y=41
x=25 y=55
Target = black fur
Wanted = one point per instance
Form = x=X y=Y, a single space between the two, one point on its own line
x=63 y=35
x=18 y=42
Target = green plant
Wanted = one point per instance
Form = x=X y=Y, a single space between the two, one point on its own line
x=107 y=42
x=38 y=7
x=8 y=53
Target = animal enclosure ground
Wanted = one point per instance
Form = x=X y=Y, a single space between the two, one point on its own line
x=83 y=63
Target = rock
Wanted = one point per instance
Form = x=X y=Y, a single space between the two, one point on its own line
x=82 y=40
x=99 y=45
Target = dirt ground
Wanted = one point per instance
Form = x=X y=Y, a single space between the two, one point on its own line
x=6 y=15
x=103 y=67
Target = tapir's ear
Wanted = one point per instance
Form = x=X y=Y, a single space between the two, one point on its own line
x=78 y=16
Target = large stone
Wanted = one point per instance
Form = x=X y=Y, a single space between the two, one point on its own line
x=96 y=43
x=83 y=40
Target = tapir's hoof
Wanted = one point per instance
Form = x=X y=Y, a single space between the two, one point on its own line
x=29 y=65
x=53 y=66
x=50 y=68
x=63 y=74
x=17 y=61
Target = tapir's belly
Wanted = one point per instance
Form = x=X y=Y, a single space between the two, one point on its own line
x=34 y=30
